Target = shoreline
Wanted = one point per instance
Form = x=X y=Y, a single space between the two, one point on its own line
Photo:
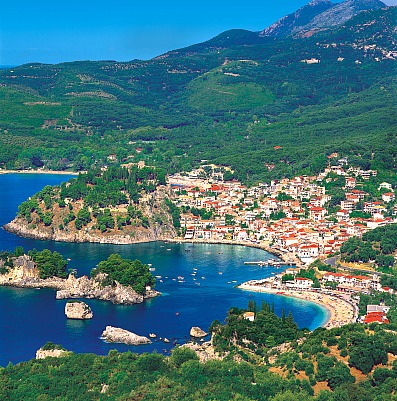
x=284 y=256
x=58 y=172
x=339 y=310
x=18 y=229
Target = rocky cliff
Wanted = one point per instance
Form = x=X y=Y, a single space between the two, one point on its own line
x=83 y=287
x=25 y=274
x=319 y=14
x=152 y=206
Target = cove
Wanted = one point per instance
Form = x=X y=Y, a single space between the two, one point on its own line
x=197 y=282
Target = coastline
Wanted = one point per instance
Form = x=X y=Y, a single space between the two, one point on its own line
x=75 y=288
x=284 y=256
x=58 y=172
x=339 y=310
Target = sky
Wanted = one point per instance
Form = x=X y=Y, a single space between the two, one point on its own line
x=49 y=31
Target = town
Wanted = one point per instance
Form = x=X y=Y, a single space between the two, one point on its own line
x=303 y=220
x=298 y=216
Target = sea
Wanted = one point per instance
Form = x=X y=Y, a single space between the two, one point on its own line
x=197 y=282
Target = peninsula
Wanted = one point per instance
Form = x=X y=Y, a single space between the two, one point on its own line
x=118 y=205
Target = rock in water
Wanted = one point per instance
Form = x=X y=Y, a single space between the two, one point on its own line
x=78 y=310
x=197 y=332
x=117 y=335
x=51 y=350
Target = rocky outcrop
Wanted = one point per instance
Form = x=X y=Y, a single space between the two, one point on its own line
x=25 y=274
x=152 y=206
x=197 y=332
x=83 y=287
x=295 y=22
x=78 y=310
x=319 y=14
x=205 y=351
x=19 y=227
x=54 y=351
x=116 y=335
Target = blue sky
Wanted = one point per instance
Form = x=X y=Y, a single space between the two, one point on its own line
x=55 y=31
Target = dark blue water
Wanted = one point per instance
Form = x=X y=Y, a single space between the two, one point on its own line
x=30 y=318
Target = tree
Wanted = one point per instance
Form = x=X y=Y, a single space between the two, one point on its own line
x=49 y=264
x=181 y=355
x=126 y=272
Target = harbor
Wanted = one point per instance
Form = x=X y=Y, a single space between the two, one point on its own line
x=270 y=263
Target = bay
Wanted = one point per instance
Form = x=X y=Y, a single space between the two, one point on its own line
x=29 y=317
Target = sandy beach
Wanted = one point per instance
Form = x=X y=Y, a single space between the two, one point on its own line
x=340 y=311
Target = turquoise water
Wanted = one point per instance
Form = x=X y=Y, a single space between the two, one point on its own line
x=30 y=318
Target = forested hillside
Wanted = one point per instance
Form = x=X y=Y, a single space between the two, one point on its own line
x=229 y=100
x=122 y=204
x=350 y=363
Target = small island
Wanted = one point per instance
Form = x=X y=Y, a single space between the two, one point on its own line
x=118 y=280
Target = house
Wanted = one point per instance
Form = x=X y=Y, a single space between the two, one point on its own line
x=249 y=316
x=342 y=215
x=378 y=308
x=375 y=317
x=388 y=197
x=300 y=283
x=385 y=185
x=317 y=213
x=351 y=182
x=308 y=251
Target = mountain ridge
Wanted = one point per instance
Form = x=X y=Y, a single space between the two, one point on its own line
x=317 y=15
x=229 y=100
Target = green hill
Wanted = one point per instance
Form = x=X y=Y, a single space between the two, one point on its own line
x=229 y=100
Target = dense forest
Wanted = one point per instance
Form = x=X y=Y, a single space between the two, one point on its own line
x=230 y=100
x=377 y=245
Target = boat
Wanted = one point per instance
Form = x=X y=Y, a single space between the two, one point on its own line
x=152 y=269
x=152 y=335
x=220 y=273
x=181 y=278
x=177 y=313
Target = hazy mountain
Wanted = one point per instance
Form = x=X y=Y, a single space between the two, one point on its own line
x=319 y=14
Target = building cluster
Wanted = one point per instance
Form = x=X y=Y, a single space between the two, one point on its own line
x=288 y=214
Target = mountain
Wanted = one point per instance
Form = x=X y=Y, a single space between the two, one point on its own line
x=319 y=14
x=293 y=23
